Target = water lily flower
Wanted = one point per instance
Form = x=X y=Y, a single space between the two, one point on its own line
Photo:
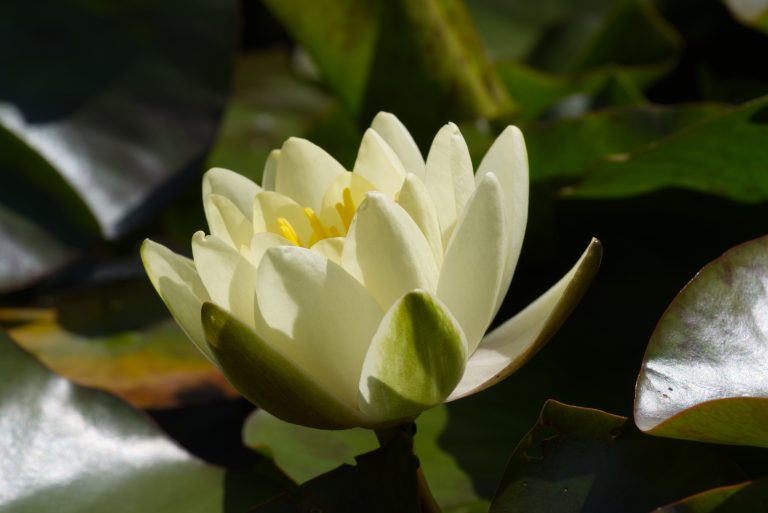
x=336 y=299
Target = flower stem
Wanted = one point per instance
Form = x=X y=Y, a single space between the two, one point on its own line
x=427 y=502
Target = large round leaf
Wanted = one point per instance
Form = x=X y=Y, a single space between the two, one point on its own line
x=705 y=373
x=68 y=449
x=584 y=460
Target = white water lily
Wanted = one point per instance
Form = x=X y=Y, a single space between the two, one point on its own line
x=336 y=299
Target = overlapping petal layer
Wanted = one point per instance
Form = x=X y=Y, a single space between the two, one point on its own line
x=337 y=299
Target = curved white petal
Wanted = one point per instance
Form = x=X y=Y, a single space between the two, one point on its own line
x=386 y=251
x=227 y=222
x=474 y=262
x=261 y=242
x=234 y=186
x=331 y=248
x=304 y=172
x=229 y=277
x=176 y=280
x=448 y=176
x=269 y=176
x=377 y=163
x=506 y=348
x=320 y=316
x=400 y=140
x=269 y=207
x=415 y=199
x=508 y=159
x=416 y=358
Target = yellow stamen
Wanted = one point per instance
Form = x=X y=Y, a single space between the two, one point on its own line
x=346 y=209
x=318 y=230
x=288 y=231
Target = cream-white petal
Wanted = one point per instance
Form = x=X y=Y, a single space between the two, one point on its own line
x=507 y=158
x=176 y=280
x=473 y=266
x=229 y=277
x=386 y=251
x=331 y=248
x=508 y=347
x=320 y=316
x=377 y=163
x=448 y=176
x=234 y=186
x=400 y=140
x=227 y=222
x=304 y=172
x=269 y=207
x=269 y=176
x=261 y=242
x=415 y=199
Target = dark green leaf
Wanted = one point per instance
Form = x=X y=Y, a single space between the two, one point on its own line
x=118 y=99
x=66 y=449
x=382 y=481
x=725 y=155
x=583 y=460
x=704 y=374
x=583 y=142
x=305 y=453
x=741 y=498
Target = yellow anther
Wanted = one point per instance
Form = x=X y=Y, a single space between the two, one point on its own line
x=346 y=209
x=288 y=231
x=319 y=231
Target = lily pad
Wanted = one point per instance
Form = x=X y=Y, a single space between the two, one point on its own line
x=118 y=337
x=64 y=448
x=724 y=155
x=746 y=497
x=705 y=372
x=584 y=460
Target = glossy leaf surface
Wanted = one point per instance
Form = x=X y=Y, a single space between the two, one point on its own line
x=584 y=460
x=704 y=376
x=84 y=451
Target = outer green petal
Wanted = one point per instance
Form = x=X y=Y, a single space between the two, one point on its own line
x=415 y=360
x=386 y=251
x=473 y=267
x=377 y=163
x=268 y=379
x=178 y=284
x=508 y=160
x=237 y=188
x=509 y=346
x=304 y=172
x=400 y=140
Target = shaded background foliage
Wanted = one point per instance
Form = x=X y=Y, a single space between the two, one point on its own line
x=646 y=127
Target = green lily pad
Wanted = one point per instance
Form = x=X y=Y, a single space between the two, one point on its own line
x=746 y=497
x=118 y=337
x=705 y=372
x=67 y=449
x=724 y=155
x=305 y=453
x=584 y=460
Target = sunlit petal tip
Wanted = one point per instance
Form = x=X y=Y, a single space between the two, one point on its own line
x=305 y=171
x=400 y=140
x=508 y=347
x=270 y=171
x=235 y=187
x=379 y=164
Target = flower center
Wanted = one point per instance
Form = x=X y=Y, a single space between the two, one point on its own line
x=319 y=230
